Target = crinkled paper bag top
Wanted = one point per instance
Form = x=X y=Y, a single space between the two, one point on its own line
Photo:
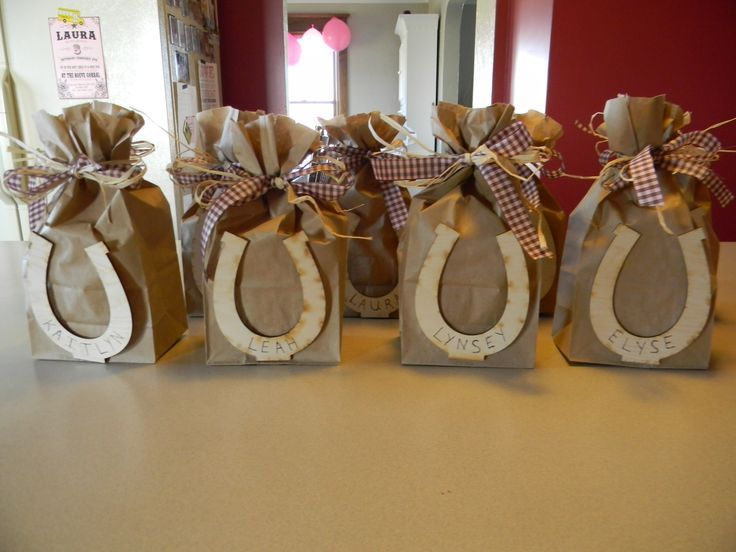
x=269 y=145
x=543 y=129
x=463 y=129
x=355 y=130
x=210 y=127
x=102 y=131
x=632 y=123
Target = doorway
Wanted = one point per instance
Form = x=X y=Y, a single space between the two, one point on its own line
x=457 y=52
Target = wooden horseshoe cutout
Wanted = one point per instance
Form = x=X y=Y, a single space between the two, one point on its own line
x=371 y=307
x=694 y=317
x=311 y=320
x=120 y=328
x=427 y=306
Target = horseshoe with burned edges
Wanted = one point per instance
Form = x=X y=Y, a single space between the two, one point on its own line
x=120 y=328
x=311 y=320
x=464 y=346
x=371 y=307
x=694 y=317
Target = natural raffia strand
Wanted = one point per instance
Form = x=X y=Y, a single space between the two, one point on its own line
x=504 y=159
x=33 y=184
x=220 y=186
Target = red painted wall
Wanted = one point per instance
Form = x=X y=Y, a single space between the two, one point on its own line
x=252 y=54
x=531 y=34
x=522 y=43
x=642 y=48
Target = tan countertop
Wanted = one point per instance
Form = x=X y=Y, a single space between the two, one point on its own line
x=368 y=455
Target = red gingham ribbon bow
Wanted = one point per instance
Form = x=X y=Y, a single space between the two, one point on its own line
x=690 y=153
x=513 y=140
x=354 y=160
x=33 y=184
x=226 y=192
x=529 y=186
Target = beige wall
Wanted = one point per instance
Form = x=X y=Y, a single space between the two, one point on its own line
x=373 y=55
x=132 y=48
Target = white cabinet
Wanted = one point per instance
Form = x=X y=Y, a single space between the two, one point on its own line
x=418 y=72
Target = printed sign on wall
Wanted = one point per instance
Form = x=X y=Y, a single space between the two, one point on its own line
x=77 y=48
x=209 y=87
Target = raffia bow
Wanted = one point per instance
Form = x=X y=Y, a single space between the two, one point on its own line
x=33 y=184
x=505 y=158
x=690 y=153
x=218 y=187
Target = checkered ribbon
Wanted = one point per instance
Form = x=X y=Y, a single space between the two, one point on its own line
x=220 y=187
x=511 y=141
x=690 y=153
x=35 y=184
x=531 y=172
x=354 y=160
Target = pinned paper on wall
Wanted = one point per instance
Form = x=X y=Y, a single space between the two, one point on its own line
x=209 y=88
x=76 y=44
x=187 y=106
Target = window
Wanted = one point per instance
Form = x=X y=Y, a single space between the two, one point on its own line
x=317 y=85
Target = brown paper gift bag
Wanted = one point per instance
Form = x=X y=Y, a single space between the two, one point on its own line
x=273 y=256
x=102 y=273
x=205 y=144
x=638 y=278
x=372 y=277
x=191 y=259
x=470 y=250
x=545 y=132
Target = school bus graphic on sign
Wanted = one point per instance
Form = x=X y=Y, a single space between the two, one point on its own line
x=70 y=17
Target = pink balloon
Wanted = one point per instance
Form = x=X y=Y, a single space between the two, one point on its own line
x=336 y=34
x=294 y=49
x=311 y=34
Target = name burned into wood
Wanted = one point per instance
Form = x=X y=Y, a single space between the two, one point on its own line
x=82 y=347
x=373 y=304
x=456 y=343
x=237 y=332
x=120 y=326
x=282 y=345
x=650 y=349
x=627 y=345
x=371 y=307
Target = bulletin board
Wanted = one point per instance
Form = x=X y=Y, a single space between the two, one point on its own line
x=191 y=46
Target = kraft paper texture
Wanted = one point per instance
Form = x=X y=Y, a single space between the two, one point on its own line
x=651 y=289
x=135 y=225
x=474 y=284
x=268 y=291
x=206 y=139
x=372 y=264
x=545 y=131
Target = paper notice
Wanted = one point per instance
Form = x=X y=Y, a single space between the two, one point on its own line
x=187 y=106
x=76 y=43
x=209 y=86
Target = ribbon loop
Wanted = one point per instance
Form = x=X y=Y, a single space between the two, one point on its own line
x=220 y=186
x=355 y=159
x=690 y=153
x=34 y=183
x=512 y=147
